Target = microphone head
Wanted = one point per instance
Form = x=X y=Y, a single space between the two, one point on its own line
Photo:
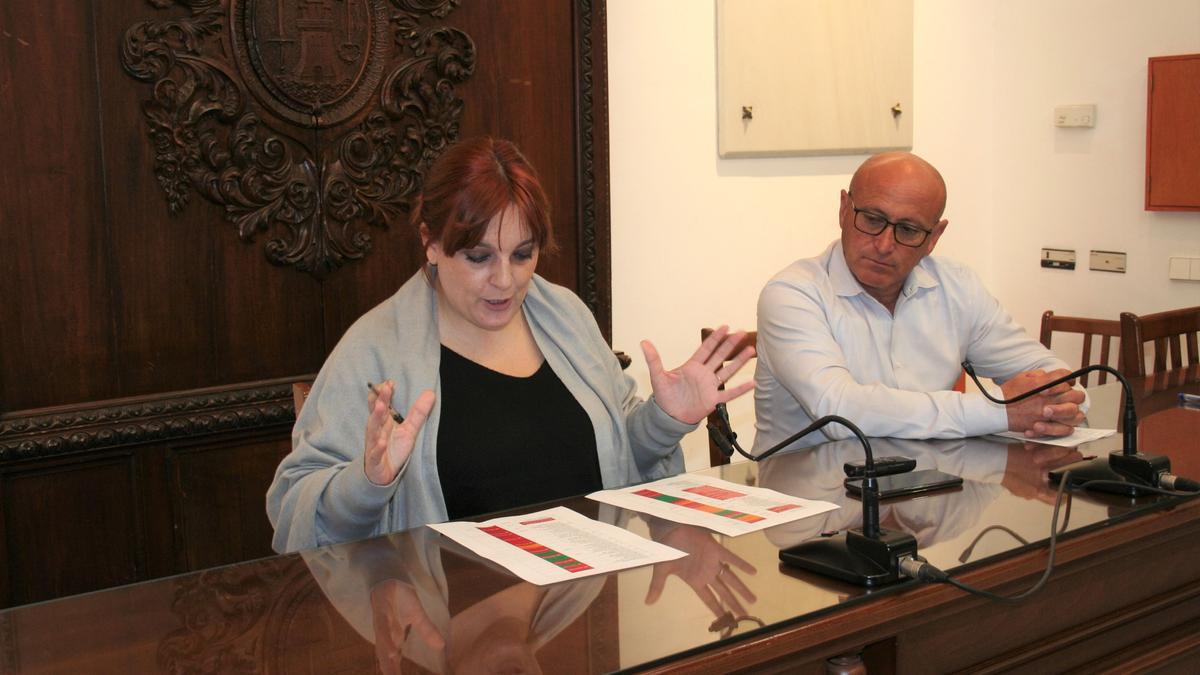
x=718 y=436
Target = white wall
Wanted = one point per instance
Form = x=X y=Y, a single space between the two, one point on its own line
x=695 y=237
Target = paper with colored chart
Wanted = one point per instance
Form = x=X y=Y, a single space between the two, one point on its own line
x=719 y=505
x=1077 y=437
x=556 y=545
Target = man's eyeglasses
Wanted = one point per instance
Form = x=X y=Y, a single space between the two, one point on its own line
x=905 y=233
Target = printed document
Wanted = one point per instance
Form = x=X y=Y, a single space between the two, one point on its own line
x=1080 y=436
x=556 y=545
x=719 y=505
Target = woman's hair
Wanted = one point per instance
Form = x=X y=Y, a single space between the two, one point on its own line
x=469 y=184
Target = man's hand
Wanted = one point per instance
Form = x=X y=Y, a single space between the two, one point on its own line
x=1054 y=412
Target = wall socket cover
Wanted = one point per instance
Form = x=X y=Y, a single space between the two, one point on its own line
x=1075 y=115
x=1058 y=258
x=1108 y=261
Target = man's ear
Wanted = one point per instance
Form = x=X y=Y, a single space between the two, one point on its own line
x=845 y=209
x=936 y=234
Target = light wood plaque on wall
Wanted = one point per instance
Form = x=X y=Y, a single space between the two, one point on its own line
x=814 y=77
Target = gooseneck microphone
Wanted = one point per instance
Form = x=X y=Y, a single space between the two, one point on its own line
x=1126 y=471
x=868 y=555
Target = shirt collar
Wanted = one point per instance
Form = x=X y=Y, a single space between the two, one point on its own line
x=845 y=284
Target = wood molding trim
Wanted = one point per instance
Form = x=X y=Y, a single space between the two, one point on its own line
x=35 y=434
x=591 y=77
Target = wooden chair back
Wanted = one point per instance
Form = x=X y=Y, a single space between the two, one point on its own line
x=715 y=456
x=1104 y=329
x=1169 y=331
x=300 y=394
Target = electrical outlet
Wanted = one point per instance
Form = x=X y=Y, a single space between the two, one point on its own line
x=1108 y=261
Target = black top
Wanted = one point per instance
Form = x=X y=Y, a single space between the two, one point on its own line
x=507 y=441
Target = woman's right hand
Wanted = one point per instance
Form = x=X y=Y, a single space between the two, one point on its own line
x=388 y=443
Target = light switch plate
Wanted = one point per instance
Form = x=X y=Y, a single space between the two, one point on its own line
x=1180 y=268
x=1108 y=261
x=1075 y=115
x=1058 y=258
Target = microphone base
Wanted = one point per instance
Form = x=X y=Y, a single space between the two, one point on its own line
x=1098 y=469
x=853 y=557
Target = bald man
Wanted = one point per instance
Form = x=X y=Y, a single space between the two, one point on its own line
x=875 y=329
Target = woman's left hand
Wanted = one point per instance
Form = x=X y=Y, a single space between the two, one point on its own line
x=690 y=392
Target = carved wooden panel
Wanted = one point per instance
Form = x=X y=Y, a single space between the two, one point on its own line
x=306 y=119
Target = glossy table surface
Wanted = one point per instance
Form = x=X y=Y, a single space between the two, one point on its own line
x=416 y=602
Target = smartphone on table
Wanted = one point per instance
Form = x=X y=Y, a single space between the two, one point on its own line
x=911 y=483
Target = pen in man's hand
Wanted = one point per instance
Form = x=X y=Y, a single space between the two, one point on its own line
x=1189 y=400
x=395 y=415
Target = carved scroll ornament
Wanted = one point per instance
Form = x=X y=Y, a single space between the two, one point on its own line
x=305 y=119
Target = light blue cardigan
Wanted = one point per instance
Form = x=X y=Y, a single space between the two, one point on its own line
x=321 y=494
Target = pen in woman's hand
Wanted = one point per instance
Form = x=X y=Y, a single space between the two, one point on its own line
x=395 y=415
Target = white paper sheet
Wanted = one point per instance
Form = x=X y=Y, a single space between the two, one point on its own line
x=556 y=545
x=1080 y=436
x=719 y=505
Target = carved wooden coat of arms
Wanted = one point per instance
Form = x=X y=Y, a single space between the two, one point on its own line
x=308 y=120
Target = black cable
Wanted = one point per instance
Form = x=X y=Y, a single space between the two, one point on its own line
x=1129 y=414
x=1147 y=472
x=726 y=439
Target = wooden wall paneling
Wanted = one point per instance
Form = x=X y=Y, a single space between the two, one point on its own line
x=523 y=90
x=69 y=435
x=57 y=343
x=116 y=310
x=165 y=263
x=269 y=319
x=345 y=296
x=70 y=526
x=219 y=492
x=158 y=511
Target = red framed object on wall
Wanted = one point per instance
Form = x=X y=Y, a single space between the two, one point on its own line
x=1173 y=134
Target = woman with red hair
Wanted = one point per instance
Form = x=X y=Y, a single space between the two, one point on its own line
x=512 y=395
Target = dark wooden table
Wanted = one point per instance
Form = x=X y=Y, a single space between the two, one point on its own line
x=1125 y=593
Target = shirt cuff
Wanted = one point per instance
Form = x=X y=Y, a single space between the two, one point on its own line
x=982 y=417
